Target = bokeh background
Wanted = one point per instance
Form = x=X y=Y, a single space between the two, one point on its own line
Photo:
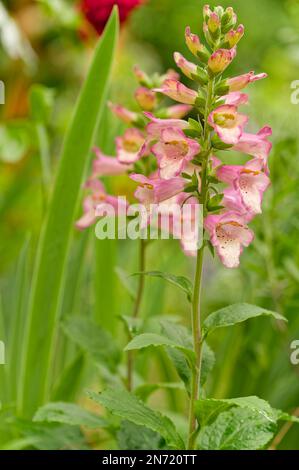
x=49 y=43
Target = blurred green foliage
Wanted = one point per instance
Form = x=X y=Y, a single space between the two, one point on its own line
x=251 y=358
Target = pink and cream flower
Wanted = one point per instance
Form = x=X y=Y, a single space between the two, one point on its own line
x=127 y=116
x=177 y=91
x=256 y=145
x=173 y=151
x=241 y=81
x=104 y=165
x=236 y=98
x=228 y=123
x=248 y=182
x=129 y=145
x=93 y=202
x=228 y=234
x=177 y=111
x=154 y=190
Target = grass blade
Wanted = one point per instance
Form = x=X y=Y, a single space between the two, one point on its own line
x=57 y=230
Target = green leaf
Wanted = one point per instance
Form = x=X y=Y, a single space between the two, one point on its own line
x=207 y=363
x=124 y=404
x=150 y=339
x=92 y=339
x=180 y=281
x=215 y=201
x=124 y=278
x=144 y=391
x=237 y=429
x=133 y=437
x=208 y=409
x=54 y=244
x=179 y=360
x=50 y=436
x=68 y=413
x=14 y=141
x=41 y=103
x=69 y=381
x=236 y=313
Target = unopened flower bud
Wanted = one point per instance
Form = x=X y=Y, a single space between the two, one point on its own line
x=234 y=36
x=220 y=60
x=214 y=23
x=206 y=12
x=228 y=20
x=142 y=77
x=195 y=46
x=146 y=98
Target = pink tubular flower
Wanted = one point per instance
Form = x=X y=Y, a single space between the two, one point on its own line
x=178 y=111
x=177 y=91
x=154 y=190
x=240 y=82
x=173 y=151
x=127 y=116
x=170 y=75
x=248 y=182
x=228 y=234
x=129 y=145
x=221 y=59
x=236 y=98
x=108 y=166
x=97 y=197
x=256 y=145
x=97 y=12
x=228 y=123
x=188 y=68
x=146 y=98
x=156 y=125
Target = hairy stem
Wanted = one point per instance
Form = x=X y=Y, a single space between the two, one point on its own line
x=196 y=300
x=136 y=309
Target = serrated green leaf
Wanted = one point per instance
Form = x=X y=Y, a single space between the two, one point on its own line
x=124 y=404
x=133 y=437
x=150 y=339
x=179 y=333
x=237 y=429
x=208 y=409
x=68 y=413
x=180 y=281
x=92 y=339
x=234 y=314
x=50 y=436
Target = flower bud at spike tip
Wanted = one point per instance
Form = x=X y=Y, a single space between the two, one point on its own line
x=213 y=23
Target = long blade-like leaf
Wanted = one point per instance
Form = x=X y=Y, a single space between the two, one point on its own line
x=56 y=233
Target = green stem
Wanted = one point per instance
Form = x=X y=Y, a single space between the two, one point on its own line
x=196 y=301
x=136 y=309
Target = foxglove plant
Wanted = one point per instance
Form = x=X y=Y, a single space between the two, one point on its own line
x=174 y=159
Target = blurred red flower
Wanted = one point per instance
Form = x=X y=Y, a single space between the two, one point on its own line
x=97 y=11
